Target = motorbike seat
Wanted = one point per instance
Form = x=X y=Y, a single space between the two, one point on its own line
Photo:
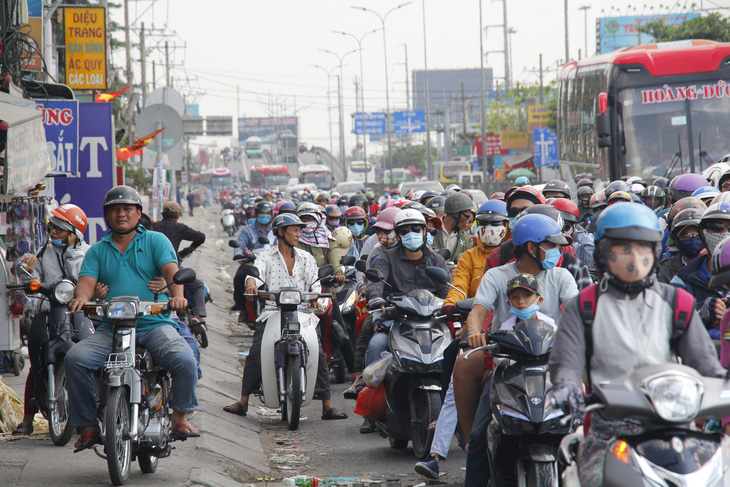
x=465 y=305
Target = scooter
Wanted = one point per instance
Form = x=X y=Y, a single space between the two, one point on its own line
x=336 y=338
x=671 y=452
x=134 y=392
x=289 y=349
x=229 y=222
x=52 y=334
x=525 y=432
x=418 y=336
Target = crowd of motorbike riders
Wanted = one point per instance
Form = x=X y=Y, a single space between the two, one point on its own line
x=523 y=255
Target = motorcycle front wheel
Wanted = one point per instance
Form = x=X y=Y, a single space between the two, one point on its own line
x=58 y=424
x=202 y=338
x=293 y=392
x=425 y=408
x=116 y=425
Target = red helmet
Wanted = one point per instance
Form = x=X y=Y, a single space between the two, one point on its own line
x=71 y=214
x=355 y=213
x=567 y=208
x=497 y=196
x=524 y=192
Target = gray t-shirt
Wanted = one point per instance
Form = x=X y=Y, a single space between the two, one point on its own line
x=556 y=286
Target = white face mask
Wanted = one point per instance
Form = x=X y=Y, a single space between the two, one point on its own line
x=491 y=236
x=631 y=262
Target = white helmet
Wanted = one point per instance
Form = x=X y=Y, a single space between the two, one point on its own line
x=409 y=217
x=343 y=237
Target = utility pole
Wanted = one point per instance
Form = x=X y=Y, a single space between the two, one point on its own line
x=408 y=90
x=342 y=124
x=143 y=62
x=567 y=47
x=463 y=110
x=429 y=163
x=238 y=101
x=541 y=86
x=167 y=65
x=585 y=9
x=506 y=46
x=485 y=169
x=128 y=53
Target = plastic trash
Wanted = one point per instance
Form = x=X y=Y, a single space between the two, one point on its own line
x=303 y=481
x=374 y=373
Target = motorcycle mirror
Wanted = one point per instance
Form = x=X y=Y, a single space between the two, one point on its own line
x=348 y=260
x=438 y=274
x=361 y=265
x=233 y=243
x=374 y=275
x=184 y=276
x=364 y=257
x=264 y=240
x=325 y=271
x=445 y=253
x=251 y=270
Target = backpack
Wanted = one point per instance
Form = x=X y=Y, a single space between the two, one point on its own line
x=682 y=302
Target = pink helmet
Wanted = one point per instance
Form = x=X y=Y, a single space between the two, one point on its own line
x=386 y=218
x=388 y=204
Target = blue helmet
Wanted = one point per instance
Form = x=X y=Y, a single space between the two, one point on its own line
x=706 y=193
x=493 y=210
x=537 y=228
x=522 y=181
x=628 y=222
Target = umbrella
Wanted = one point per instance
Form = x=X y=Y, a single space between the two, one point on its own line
x=523 y=171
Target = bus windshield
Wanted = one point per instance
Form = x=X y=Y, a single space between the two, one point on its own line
x=276 y=179
x=322 y=179
x=451 y=170
x=657 y=122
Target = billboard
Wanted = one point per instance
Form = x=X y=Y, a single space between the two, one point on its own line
x=61 y=121
x=409 y=122
x=34 y=29
x=374 y=123
x=85 y=37
x=266 y=127
x=617 y=32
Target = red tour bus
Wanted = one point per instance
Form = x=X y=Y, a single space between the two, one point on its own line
x=269 y=177
x=649 y=111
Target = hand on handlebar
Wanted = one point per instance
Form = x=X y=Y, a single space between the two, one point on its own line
x=177 y=304
x=251 y=291
x=76 y=304
x=475 y=338
x=340 y=279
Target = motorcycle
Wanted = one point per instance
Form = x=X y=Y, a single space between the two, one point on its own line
x=200 y=329
x=525 y=433
x=134 y=392
x=229 y=222
x=52 y=334
x=240 y=217
x=670 y=452
x=289 y=349
x=418 y=336
x=336 y=340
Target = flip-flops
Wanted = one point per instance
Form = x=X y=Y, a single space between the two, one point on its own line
x=333 y=413
x=23 y=429
x=236 y=408
x=87 y=441
x=178 y=432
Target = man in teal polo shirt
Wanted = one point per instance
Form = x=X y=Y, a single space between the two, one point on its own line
x=126 y=259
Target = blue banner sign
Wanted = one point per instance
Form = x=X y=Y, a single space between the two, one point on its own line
x=61 y=121
x=374 y=123
x=546 y=147
x=409 y=122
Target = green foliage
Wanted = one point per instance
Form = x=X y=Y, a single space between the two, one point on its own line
x=411 y=155
x=713 y=27
x=138 y=178
x=510 y=114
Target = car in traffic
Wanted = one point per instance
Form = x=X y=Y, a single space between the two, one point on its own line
x=406 y=186
x=477 y=195
x=349 y=188
x=299 y=188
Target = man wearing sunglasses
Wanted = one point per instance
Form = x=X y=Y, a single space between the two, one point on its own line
x=454 y=236
x=694 y=277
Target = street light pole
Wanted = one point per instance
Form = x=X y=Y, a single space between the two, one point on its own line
x=382 y=19
x=585 y=9
x=429 y=162
x=485 y=170
x=362 y=94
x=329 y=101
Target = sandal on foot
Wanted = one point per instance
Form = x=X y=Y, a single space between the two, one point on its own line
x=87 y=441
x=352 y=391
x=23 y=429
x=236 y=408
x=184 y=431
x=333 y=413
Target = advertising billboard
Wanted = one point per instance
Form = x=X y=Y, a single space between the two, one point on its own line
x=266 y=127
x=85 y=31
x=616 y=32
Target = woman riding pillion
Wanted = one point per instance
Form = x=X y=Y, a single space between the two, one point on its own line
x=633 y=325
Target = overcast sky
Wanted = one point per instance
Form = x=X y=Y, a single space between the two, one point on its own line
x=267 y=48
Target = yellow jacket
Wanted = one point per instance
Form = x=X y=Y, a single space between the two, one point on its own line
x=469 y=272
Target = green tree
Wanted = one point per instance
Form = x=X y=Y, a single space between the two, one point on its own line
x=510 y=113
x=712 y=27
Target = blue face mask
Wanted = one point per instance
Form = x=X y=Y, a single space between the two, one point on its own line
x=412 y=241
x=429 y=239
x=386 y=194
x=251 y=221
x=690 y=248
x=525 y=314
x=263 y=219
x=356 y=229
x=57 y=242
x=552 y=257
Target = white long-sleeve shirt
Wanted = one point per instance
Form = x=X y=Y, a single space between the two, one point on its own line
x=273 y=271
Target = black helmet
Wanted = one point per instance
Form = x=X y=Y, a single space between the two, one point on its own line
x=685 y=218
x=437 y=203
x=547 y=210
x=584 y=191
x=263 y=207
x=614 y=186
x=662 y=183
x=457 y=203
x=343 y=201
x=286 y=220
x=427 y=195
x=657 y=193
x=557 y=186
x=358 y=199
x=585 y=182
x=122 y=195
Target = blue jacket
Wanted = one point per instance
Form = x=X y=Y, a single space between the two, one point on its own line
x=248 y=238
x=695 y=279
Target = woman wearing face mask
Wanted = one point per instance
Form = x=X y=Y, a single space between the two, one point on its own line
x=384 y=236
x=315 y=238
x=633 y=326
x=714 y=227
x=357 y=221
x=686 y=244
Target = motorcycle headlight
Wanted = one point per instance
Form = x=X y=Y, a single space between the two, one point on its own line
x=122 y=310
x=290 y=297
x=63 y=292
x=675 y=398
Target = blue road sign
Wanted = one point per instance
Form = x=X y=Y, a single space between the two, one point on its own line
x=409 y=122
x=545 y=147
x=374 y=123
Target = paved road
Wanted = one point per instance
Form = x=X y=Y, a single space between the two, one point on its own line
x=232 y=449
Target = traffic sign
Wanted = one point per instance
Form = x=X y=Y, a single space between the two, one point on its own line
x=409 y=122
x=546 y=147
x=374 y=123
x=167 y=117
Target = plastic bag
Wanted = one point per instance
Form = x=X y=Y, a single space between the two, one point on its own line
x=374 y=373
x=371 y=403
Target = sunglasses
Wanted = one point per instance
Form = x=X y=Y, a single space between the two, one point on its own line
x=413 y=228
x=356 y=222
x=52 y=227
x=513 y=212
x=382 y=230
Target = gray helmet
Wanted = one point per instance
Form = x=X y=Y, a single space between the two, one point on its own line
x=457 y=203
x=437 y=203
x=286 y=220
x=122 y=195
